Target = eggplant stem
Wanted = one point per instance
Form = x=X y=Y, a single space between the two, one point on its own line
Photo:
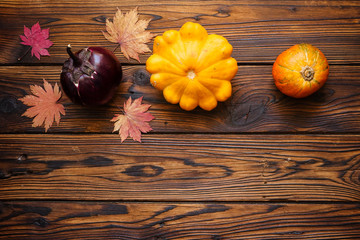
x=76 y=59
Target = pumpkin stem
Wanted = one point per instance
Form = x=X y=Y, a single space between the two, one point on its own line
x=308 y=73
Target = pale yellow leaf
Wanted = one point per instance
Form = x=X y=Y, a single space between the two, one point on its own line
x=129 y=32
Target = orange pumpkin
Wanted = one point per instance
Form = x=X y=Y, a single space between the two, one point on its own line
x=300 y=70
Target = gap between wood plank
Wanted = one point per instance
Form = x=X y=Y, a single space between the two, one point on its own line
x=183 y=201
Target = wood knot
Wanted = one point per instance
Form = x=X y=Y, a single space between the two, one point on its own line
x=22 y=157
x=246 y=113
x=144 y=171
x=8 y=104
x=41 y=222
x=223 y=11
x=101 y=19
x=98 y=161
x=4 y=175
x=293 y=9
x=142 y=77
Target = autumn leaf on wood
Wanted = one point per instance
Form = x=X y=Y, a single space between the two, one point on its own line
x=129 y=32
x=44 y=106
x=36 y=38
x=134 y=121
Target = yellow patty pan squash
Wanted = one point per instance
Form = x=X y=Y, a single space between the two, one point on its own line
x=191 y=67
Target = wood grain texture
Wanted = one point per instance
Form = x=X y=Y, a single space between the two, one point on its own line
x=256 y=104
x=258 y=30
x=181 y=167
x=259 y=166
x=165 y=221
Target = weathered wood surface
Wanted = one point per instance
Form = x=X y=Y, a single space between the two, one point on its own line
x=259 y=166
x=181 y=167
x=258 y=30
x=151 y=221
x=256 y=104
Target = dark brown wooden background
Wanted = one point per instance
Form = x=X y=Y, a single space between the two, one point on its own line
x=259 y=166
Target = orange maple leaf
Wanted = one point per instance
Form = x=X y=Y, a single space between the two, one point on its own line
x=134 y=120
x=129 y=32
x=44 y=105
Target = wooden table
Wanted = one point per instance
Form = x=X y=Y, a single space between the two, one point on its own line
x=260 y=166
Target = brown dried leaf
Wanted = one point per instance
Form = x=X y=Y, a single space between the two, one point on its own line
x=44 y=106
x=128 y=31
x=134 y=120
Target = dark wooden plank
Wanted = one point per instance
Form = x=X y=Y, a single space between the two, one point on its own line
x=256 y=104
x=145 y=221
x=258 y=30
x=181 y=167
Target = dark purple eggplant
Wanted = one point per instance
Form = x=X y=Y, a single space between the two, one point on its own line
x=91 y=76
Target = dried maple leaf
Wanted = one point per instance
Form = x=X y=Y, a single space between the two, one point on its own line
x=44 y=105
x=37 y=40
x=134 y=120
x=128 y=31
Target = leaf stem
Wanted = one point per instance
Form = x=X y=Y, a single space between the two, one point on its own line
x=117 y=46
x=27 y=51
x=117 y=106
